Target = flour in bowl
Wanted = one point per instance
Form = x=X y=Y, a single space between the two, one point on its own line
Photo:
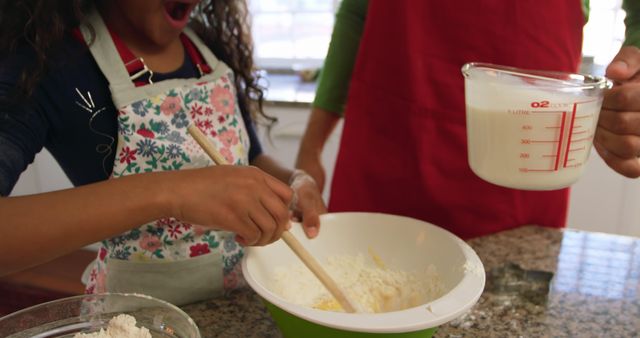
x=120 y=326
x=374 y=287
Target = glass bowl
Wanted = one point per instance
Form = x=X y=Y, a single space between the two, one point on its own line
x=89 y=313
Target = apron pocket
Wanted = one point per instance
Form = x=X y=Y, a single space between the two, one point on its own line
x=178 y=282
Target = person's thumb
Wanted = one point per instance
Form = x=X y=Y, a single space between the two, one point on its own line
x=624 y=65
x=311 y=223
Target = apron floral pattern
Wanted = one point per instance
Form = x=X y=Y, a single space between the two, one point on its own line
x=152 y=136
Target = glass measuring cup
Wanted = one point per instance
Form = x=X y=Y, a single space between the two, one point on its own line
x=530 y=129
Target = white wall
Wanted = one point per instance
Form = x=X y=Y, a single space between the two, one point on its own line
x=43 y=175
x=601 y=201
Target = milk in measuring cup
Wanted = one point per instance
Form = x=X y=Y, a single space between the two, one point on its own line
x=528 y=138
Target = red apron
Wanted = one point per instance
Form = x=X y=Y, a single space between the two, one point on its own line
x=403 y=148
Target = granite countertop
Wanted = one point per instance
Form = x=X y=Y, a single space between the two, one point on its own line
x=540 y=283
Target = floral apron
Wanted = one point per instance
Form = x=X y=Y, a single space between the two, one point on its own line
x=167 y=258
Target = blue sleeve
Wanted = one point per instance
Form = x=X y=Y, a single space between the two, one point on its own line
x=23 y=128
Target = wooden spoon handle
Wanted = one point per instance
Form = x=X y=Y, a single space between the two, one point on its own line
x=288 y=237
x=317 y=270
x=206 y=145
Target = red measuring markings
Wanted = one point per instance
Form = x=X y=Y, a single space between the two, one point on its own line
x=564 y=119
x=574 y=165
x=571 y=132
x=583 y=139
x=583 y=116
x=580 y=132
x=558 y=141
x=573 y=118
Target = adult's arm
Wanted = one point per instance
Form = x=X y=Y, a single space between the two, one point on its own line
x=333 y=83
x=632 y=22
x=333 y=86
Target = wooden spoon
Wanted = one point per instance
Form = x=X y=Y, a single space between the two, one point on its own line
x=287 y=236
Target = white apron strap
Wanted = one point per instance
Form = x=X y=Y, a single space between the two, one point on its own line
x=123 y=90
x=104 y=51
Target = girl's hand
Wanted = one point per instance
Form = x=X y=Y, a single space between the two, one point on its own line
x=241 y=199
x=307 y=203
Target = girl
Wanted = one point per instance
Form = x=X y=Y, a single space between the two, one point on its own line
x=109 y=88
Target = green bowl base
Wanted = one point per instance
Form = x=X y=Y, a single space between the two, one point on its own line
x=295 y=327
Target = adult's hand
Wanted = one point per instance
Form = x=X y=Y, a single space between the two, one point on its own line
x=617 y=138
x=307 y=205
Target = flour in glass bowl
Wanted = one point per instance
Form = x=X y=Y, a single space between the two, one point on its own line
x=374 y=287
x=120 y=326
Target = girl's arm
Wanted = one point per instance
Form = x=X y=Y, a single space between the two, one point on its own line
x=39 y=228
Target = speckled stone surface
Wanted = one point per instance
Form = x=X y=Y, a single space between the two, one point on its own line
x=540 y=283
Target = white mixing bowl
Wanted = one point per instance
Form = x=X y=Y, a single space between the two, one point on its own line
x=402 y=243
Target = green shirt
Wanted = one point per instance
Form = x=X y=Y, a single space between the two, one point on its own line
x=333 y=84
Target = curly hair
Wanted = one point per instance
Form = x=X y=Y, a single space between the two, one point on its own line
x=41 y=25
x=222 y=24
x=224 y=27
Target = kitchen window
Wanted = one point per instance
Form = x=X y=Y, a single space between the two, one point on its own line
x=604 y=32
x=291 y=34
x=295 y=34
